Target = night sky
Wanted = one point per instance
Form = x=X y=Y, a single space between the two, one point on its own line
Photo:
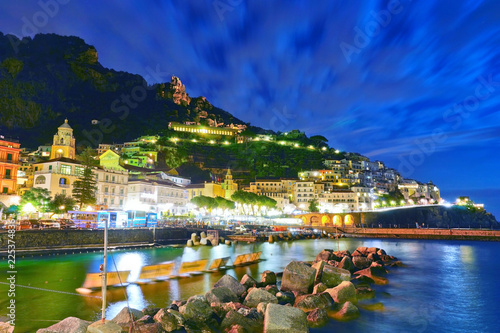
x=415 y=84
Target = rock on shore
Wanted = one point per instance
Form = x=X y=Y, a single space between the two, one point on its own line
x=310 y=294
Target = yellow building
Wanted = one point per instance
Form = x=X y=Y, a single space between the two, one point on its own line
x=110 y=160
x=57 y=175
x=213 y=189
x=64 y=142
x=199 y=129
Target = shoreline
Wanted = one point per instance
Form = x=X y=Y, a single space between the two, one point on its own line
x=374 y=233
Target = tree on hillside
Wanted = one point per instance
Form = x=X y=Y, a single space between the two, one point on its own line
x=62 y=204
x=313 y=206
x=201 y=201
x=37 y=199
x=84 y=188
x=88 y=157
x=318 y=140
x=224 y=204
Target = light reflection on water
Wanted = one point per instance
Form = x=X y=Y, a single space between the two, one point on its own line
x=447 y=286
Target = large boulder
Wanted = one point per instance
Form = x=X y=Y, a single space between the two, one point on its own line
x=342 y=253
x=197 y=310
x=324 y=255
x=221 y=309
x=231 y=283
x=363 y=250
x=319 y=288
x=285 y=297
x=317 y=318
x=346 y=263
x=299 y=277
x=167 y=320
x=221 y=295
x=150 y=311
x=348 y=311
x=333 y=276
x=314 y=301
x=361 y=262
x=268 y=278
x=373 y=273
x=126 y=316
x=256 y=296
x=281 y=318
x=236 y=318
x=343 y=292
x=104 y=327
x=364 y=292
x=318 y=266
x=373 y=257
x=148 y=328
x=272 y=289
x=248 y=282
x=69 y=325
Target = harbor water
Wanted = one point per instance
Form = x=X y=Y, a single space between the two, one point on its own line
x=447 y=286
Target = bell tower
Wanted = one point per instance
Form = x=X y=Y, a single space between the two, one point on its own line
x=228 y=186
x=64 y=142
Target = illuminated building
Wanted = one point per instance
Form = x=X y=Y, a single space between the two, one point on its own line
x=201 y=130
x=9 y=164
x=64 y=142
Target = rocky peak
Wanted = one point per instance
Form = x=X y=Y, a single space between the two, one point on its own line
x=178 y=91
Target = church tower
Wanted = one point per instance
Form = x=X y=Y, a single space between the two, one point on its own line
x=64 y=142
x=229 y=186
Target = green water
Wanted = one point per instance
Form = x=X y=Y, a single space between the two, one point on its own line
x=443 y=282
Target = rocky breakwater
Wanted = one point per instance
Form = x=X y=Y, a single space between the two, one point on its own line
x=308 y=296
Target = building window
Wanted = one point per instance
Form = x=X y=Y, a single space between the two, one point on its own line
x=9 y=157
x=5 y=190
x=106 y=190
x=63 y=181
x=65 y=169
x=40 y=180
x=107 y=178
x=79 y=171
x=105 y=201
x=50 y=167
x=121 y=202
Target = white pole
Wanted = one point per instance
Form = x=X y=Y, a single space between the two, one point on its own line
x=105 y=272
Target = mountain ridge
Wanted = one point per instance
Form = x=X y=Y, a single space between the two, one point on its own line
x=49 y=77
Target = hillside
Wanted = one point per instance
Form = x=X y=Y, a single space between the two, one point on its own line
x=49 y=78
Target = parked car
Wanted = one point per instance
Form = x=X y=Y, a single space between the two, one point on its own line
x=66 y=224
x=23 y=224
x=35 y=224
x=49 y=224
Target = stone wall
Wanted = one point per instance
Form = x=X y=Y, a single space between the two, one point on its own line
x=47 y=239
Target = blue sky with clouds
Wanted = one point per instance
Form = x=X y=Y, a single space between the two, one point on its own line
x=413 y=83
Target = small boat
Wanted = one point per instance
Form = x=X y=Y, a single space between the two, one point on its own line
x=159 y=272
x=93 y=281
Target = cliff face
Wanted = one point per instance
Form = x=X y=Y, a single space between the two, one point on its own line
x=433 y=217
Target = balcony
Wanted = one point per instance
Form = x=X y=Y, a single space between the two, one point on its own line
x=8 y=177
x=2 y=160
x=64 y=185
